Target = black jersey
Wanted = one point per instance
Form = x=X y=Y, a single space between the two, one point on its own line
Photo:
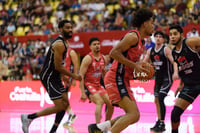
x=48 y=70
x=188 y=62
x=161 y=63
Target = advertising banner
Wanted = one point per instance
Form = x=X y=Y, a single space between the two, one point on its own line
x=31 y=95
x=80 y=41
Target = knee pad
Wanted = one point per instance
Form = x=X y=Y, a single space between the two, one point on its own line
x=176 y=113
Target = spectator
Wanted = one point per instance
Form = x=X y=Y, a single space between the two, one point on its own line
x=119 y=20
x=11 y=27
x=149 y=43
x=192 y=33
x=28 y=75
x=197 y=5
x=16 y=45
x=4 y=73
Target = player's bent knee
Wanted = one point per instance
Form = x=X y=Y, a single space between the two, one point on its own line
x=134 y=117
x=176 y=114
x=99 y=102
x=61 y=107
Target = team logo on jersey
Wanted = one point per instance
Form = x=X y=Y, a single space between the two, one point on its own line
x=182 y=60
x=156 y=58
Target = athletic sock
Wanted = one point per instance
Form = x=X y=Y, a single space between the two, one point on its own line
x=57 y=121
x=174 y=130
x=104 y=125
x=54 y=128
x=70 y=112
x=32 y=116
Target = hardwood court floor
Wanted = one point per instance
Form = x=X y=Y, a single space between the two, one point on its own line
x=10 y=123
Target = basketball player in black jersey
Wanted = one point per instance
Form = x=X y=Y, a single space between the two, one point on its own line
x=162 y=60
x=50 y=77
x=186 y=54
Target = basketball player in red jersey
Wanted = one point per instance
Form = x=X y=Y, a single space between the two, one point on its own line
x=92 y=69
x=126 y=55
x=72 y=65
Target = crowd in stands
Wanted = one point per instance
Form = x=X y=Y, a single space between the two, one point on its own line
x=23 y=61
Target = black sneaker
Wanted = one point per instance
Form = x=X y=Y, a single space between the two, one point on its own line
x=156 y=125
x=160 y=127
x=92 y=128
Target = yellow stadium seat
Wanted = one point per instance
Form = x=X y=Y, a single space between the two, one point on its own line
x=1 y=6
x=131 y=1
x=190 y=4
x=14 y=6
x=172 y=10
x=116 y=6
x=37 y=20
x=110 y=9
x=19 y=13
x=20 y=31
x=26 y=28
x=53 y=19
x=75 y=18
x=99 y=16
x=1 y=22
x=6 y=6
x=54 y=4
x=67 y=16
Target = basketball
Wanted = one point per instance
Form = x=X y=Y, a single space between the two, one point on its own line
x=143 y=76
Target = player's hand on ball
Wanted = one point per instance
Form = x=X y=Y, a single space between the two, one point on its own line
x=139 y=68
x=143 y=71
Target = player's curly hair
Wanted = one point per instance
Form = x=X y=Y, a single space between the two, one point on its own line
x=62 y=23
x=177 y=27
x=141 y=16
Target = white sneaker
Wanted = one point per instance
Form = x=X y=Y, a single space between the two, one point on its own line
x=25 y=122
x=69 y=121
x=107 y=131
x=73 y=119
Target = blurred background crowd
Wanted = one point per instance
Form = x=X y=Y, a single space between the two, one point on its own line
x=23 y=61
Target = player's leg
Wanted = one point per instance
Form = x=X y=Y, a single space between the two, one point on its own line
x=156 y=101
x=166 y=85
x=60 y=115
x=176 y=113
x=55 y=91
x=110 y=108
x=186 y=97
x=59 y=106
x=71 y=116
x=132 y=115
x=96 y=98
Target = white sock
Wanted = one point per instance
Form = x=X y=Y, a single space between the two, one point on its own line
x=104 y=125
x=70 y=112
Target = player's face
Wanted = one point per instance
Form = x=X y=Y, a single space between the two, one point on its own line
x=174 y=36
x=149 y=26
x=67 y=30
x=95 y=46
x=159 y=39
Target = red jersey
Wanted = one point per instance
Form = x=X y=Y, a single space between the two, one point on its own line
x=94 y=71
x=134 y=53
x=68 y=62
